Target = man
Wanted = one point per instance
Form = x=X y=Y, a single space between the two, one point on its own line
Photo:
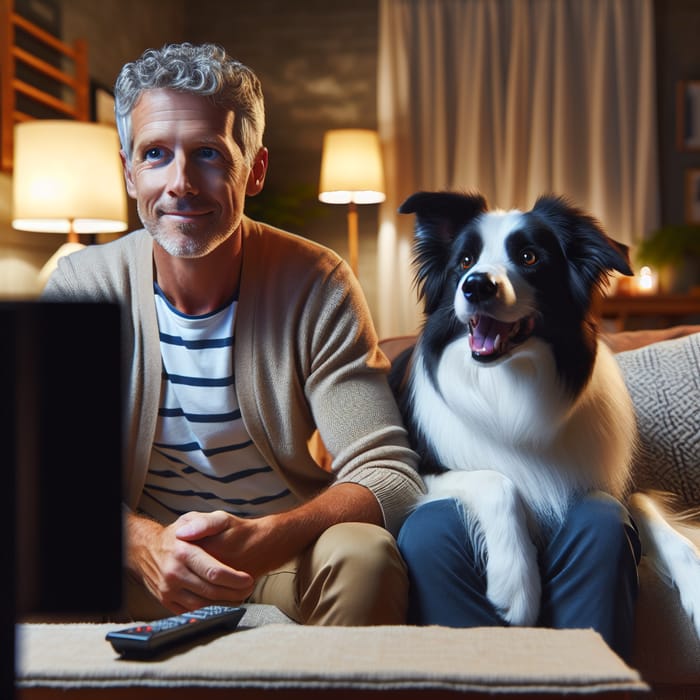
x=240 y=341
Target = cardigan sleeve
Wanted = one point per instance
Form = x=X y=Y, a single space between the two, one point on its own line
x=355 y=411
x=307 y=357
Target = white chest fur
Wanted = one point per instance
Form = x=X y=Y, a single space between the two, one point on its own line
x=513 y=416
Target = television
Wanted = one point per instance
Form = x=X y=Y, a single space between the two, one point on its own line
x=61 y=441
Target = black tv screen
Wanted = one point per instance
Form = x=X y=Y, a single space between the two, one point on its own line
x=61 y=432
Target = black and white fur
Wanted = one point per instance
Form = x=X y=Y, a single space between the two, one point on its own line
x=513 y=403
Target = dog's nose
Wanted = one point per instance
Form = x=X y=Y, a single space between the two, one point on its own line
x=479 y=287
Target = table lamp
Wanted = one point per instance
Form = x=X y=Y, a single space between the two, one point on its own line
x=67 y=179
x=352 y=174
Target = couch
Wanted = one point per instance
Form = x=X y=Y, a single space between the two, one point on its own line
x=662 y=371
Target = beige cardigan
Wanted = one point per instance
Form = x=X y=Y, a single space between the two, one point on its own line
x=306 y=356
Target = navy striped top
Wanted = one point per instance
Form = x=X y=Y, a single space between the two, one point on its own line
x=202 y=457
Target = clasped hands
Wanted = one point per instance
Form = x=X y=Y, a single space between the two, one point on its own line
x=201 y=558
x=205 y=558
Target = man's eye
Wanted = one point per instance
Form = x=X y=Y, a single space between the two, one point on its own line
x=208 y=153
x=153 y=154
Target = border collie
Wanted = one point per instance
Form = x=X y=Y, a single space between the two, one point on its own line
x=513 y=403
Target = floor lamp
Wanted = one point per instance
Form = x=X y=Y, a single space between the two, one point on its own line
x=352 y=174
x=67 y=179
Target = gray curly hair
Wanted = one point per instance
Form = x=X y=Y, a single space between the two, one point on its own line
x=203 y=69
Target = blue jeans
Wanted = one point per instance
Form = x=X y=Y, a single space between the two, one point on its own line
x=588 y=570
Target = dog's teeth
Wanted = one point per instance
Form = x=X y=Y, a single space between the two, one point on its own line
x=497 y=343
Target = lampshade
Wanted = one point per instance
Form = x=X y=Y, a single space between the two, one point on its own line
x=68 y=178
x=351 y=167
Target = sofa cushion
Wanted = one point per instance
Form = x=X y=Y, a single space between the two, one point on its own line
x=664 y=382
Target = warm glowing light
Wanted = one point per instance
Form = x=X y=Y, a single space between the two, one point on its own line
x=647 y=281
x=351 y=167
x=68 y=178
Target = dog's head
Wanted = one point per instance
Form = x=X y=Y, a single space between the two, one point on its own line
x=506 y=276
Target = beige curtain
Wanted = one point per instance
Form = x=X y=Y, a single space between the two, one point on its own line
x=514 y=98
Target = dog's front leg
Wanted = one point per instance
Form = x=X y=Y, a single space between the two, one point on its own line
x=512 y=575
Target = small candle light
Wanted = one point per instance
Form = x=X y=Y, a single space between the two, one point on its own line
x=647 y=282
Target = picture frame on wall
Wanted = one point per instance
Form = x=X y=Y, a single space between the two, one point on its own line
x=688 y=115
x=102 y=104
x=692 y=196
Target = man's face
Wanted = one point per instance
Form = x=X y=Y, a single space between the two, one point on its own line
x=187 y=173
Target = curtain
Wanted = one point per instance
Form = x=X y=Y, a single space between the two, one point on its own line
x=514 y=98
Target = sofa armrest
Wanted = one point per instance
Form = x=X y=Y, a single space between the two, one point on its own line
x=630 y=340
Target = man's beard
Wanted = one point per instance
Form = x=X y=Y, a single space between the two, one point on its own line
x=187 y=244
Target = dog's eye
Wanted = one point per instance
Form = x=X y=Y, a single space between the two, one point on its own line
x=528 y=257
x=468 y=261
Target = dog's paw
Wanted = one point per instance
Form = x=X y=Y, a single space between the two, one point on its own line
x=514 y=588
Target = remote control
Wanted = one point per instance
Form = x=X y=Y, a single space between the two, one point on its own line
x=150 y=638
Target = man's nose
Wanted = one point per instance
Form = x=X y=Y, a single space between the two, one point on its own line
x=181 y=179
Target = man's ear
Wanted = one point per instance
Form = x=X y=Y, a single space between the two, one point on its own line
x=256 y=178
x=126 y=166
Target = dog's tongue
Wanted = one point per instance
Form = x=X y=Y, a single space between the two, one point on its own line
x=485 y=331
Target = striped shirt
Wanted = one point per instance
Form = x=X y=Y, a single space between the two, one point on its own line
x=202 y=457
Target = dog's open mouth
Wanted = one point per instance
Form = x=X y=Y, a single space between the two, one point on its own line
x=490 y=338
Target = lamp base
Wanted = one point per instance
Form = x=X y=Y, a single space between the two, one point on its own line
x=52 y=262
x=353 y=239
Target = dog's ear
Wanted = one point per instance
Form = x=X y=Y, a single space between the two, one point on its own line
x=589 y=250
x=440 y=216
x=443 y=214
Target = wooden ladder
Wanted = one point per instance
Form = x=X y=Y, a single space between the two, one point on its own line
x=60 y=94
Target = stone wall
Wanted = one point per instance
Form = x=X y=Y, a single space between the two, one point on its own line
x=317 y=62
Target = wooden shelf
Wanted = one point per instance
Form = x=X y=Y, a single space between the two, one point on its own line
x=662 y=309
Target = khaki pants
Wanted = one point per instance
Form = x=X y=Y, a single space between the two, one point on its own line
x=352 y=575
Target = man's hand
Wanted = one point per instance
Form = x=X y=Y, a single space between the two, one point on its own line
x=259 y=545
x=253 y=544
x=181 y=575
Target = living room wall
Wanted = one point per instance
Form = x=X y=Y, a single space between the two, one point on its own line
x=317 y=62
